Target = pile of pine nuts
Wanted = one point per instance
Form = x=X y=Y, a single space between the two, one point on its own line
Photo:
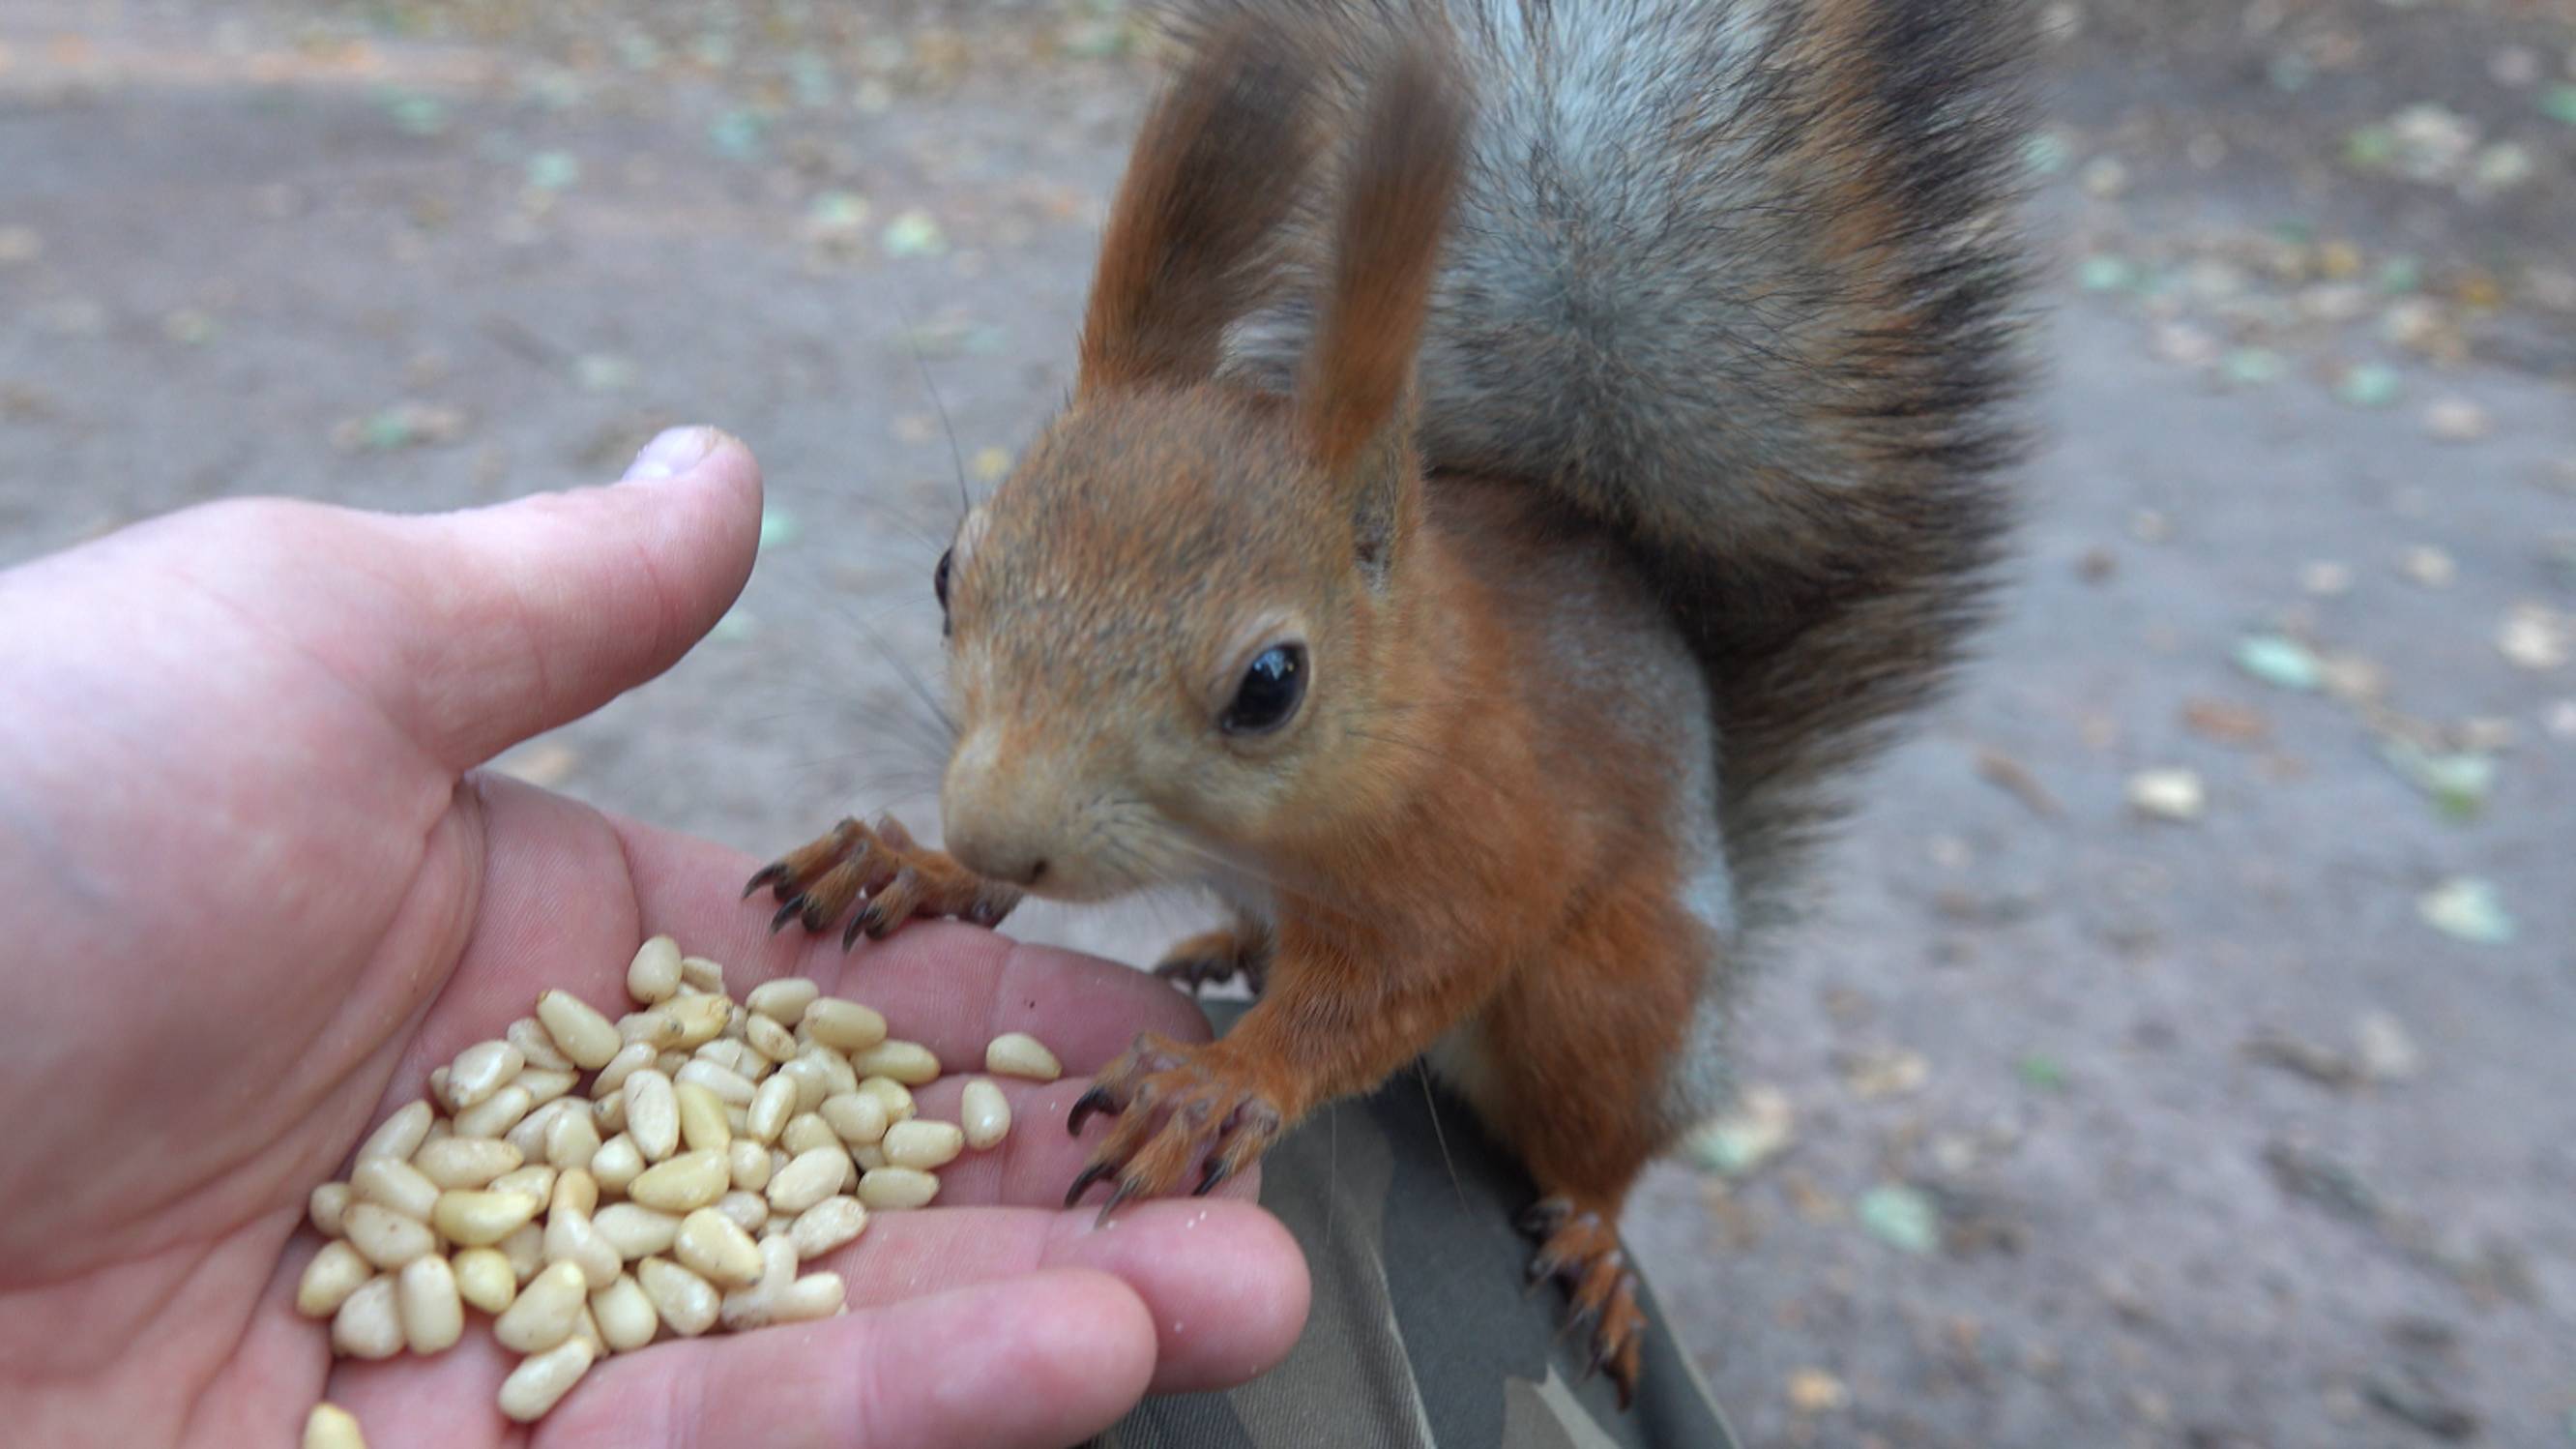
x=596 y=1186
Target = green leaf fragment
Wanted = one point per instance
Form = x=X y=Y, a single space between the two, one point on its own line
x=913 y=234
x=1901 y=1217
x=2279 y=661
x=2371 y=385
x=2106 y=273
x=2467 y=908
x=2042 y=1073
x=2459 y=784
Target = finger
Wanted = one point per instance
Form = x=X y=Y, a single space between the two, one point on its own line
x=952 y=988
x=1034 y=1165
x=1225 y=1283
x=535 y=612
x=1040 y=1360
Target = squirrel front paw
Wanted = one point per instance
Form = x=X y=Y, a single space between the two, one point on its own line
x=1213 y=957
x=899 y=879
x=1580 y=1248
x=1175 y=1106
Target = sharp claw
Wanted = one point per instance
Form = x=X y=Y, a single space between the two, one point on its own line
x=1117 y=1195
x=786 y=913
x=1095 y=1100
x=1094 y=1173
x=769 y=874
x=1216 y=1172
x=850 y=932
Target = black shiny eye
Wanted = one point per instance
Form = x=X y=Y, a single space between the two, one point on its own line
x=939 y=579
x=1271 y=688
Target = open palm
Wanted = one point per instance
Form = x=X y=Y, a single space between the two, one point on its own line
x=255 y=896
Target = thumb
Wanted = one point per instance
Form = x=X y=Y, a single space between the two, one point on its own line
x=546 y=608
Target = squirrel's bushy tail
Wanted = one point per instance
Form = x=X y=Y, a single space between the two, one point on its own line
x=1737 y=281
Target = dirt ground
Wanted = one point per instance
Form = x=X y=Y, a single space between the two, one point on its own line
x=2239 y=1116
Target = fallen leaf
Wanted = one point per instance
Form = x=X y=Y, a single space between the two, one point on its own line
x=1901 y=1217
x=1760 y=1127
x=2536 y=637
x=2467 y=908
x=2016 y=779
x=1884 y=1072
x=913 y=234
x=2280 y=661
x=1814 y=1391
x=2226 y=722
x=2458 y=783
x=2167 y=794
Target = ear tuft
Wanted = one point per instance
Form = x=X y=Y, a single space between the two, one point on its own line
x=1218 y=164
x=1403 y=176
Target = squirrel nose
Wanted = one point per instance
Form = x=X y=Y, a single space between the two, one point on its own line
x=989 y=816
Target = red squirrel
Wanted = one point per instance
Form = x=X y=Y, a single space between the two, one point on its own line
x=1525 y=455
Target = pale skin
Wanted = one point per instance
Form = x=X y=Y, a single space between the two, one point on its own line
x=256 y=889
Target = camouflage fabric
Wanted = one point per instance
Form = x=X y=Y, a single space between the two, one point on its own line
x=1421 y=1334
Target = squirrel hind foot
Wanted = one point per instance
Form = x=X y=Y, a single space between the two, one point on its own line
x=884 y=874
x=1580 y=1248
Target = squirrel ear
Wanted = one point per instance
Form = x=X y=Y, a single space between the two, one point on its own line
x=1217 y=166
x=1402 y=177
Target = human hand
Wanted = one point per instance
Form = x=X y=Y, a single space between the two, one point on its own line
x=255 y=896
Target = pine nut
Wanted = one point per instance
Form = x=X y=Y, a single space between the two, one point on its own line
x=896 y=1097
x=479 y=1071
x=536 y=1180
x=869 y=1156
x=809 y=1177
x=617 y=1163
x=717 y=1249
x=635 y=1232
x=401 y=1134
x=387 y=1238
x=771 y=1106
x=807 y=1131
x=923 y=1144
x=835 y=1067
x=631 y=1058
x=738 y=1057
x=833 y=1223
x=579 y=1031
x=888 y=1188
x=844 y=1026
x=393 y=1183
x=480 y=1219
x=855 y=1117
x=670 y=1061
x=702 y=1118
x=528 y=1134
x=585 y=1329
x=575 y=1191
x=748 y=1210
x=748 y=1307
x=367 y=1325
x=687 y=1303
x=330 y=1278
x=747 y=1164
x=654 y=975
x=484 y=1279
x=652 y=1114
x=727 y=1084
x=546 y=1310
x=687 y=1182
x=625 y=1313
x=702 y=1018
x=608 y=1114
x=466 y=1161
x=496 y=1115
x=784 y=1000
x=425 y=1295
x=701 y=973
x=774 y=1042
x=325 y=1207
x=570 y=1238
x=541 y=1380
x=572 y=1140
x=526 y=1252
x=1018 y=1054
x=543 y=1086
x=529 y=1035
x=654 y=1028
x=331 y=1427
x=813 y=1082
x=985 y=1113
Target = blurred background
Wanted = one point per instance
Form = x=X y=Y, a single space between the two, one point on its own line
x=2189 y=1057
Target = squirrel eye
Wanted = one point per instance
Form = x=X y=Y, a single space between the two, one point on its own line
x=939 y=578
x=1271 y=689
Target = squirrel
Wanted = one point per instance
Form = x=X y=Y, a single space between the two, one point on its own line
x=1524 y=457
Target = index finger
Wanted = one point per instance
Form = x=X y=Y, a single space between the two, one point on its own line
x=950 y=987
